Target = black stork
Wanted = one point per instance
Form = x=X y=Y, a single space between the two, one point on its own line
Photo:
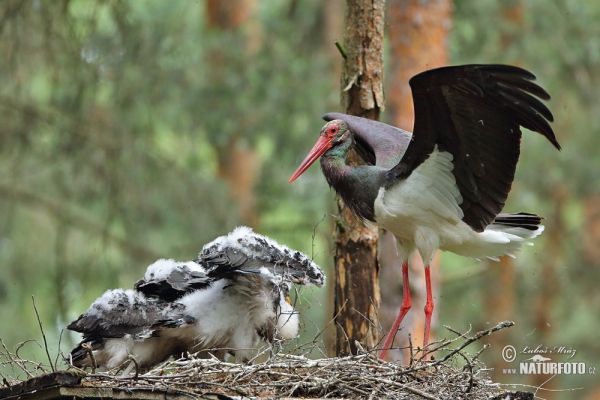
x=444 y=186
x=225 y=301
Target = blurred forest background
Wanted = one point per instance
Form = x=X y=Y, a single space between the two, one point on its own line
x=136 y=130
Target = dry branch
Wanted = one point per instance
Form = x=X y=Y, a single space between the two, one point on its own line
x=43 y=333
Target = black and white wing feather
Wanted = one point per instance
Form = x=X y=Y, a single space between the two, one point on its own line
x=121 y=312
x=244 y=251
x=124 y=322
x=169 y=280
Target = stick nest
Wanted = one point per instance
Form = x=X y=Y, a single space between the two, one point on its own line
x=456 y=375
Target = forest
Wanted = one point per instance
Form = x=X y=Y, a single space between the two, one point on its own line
x=137 y=130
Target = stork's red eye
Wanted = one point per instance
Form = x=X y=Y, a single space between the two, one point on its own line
x=333 y=130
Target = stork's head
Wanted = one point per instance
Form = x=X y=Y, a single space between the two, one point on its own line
x=333 y=133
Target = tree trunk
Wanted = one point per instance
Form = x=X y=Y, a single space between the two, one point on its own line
x=418 y=32
x=591 y=228
x=500 y=289
x=549 y=288
x=356 y=269
x=239 y=162
x=499 y=295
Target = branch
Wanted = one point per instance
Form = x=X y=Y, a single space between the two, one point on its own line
x=43 y=334
x=341 y=49
x=478 y=335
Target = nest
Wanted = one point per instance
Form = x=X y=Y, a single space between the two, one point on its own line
x=456 y=375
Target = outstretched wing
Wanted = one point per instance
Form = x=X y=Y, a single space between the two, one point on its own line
x=475 y=113
x=122 y=312
x=170 y=280
x=377 y=143
x=244 y=251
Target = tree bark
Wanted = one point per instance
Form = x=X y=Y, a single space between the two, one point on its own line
x=418 y=32
x=356 y=268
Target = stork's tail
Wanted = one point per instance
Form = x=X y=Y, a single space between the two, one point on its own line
x=530 y=222
x=514 y=230
x=504 y=236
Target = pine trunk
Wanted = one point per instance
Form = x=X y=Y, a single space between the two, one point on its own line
x=356 y=267
x=418 y=33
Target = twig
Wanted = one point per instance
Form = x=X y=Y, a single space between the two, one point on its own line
x=478 y=335
x=469 y=365
x=137 y=366
x=460 y=334
x=374 y=391
x=15 y=360
x=330 y=321
x=59 y=352
x=410 y=346
x=341 y=49
x=314 y=234
x=43 y=334
x=411 y=389
x=512 y=385
x=8 y=355
x=476 y=356
x=90 y=352
x=19 y=346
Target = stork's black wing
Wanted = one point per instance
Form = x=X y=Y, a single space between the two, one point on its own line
x=475 y=112
x=377 y=143
x=244 y=251
x=174 y=283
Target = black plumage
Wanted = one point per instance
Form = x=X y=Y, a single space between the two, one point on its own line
x=475 y=112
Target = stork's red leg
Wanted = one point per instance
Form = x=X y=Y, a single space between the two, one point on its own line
x=428 y=307
x=406 y=303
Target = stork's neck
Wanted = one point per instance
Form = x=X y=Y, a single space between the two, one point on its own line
x=358 y=186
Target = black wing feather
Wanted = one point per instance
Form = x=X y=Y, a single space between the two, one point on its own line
x=475 y=112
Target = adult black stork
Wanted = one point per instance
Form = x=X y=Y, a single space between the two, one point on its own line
x=444 y=186
x=225 y=301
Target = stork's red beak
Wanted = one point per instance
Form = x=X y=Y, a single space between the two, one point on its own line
x=322 y=145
